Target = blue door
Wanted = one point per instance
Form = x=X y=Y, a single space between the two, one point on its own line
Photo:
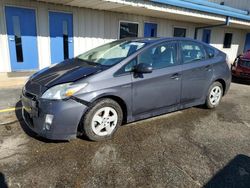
x=150 y=30
x=22 y=37
x=206 y=36
x=61 y=36
x=247 y=42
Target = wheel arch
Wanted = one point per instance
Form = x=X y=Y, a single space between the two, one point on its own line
x=223 y=83
x=120 y=101
x=117 y=99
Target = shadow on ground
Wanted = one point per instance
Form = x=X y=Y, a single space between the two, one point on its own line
x=240 y=81
x=27 y=130
x=235 y=174
x=3 y=183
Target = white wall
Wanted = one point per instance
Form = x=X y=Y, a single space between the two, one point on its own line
x=4 y=53
x=238 y=41
x=93 y=28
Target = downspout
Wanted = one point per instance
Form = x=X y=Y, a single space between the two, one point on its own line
x=227 y=23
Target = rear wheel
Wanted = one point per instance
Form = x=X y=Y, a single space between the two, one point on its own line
x=102 y=120
x=214 y=96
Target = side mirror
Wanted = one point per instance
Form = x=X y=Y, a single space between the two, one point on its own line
x=143 y=68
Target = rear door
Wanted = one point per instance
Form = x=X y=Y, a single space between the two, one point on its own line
x=197 y=71
x=161 y=88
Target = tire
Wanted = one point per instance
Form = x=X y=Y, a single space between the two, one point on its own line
x=98 y=124
x=214 y=95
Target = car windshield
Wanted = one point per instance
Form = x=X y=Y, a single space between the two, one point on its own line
x=111 y=53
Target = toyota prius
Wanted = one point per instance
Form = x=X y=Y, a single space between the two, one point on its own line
x=121 y=82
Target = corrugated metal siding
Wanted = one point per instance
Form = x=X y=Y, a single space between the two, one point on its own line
x=94 y=27
x=240 y=4
x=217 y=39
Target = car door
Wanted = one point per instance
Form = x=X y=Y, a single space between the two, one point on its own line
x=197 y=72
x=161 y=88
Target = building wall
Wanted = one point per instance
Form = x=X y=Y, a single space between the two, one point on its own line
x=238 y=41
x=94 y=27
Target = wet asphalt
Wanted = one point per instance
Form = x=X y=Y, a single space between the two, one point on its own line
x=195 y=147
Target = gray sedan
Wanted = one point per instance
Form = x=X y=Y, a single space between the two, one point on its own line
x=120 y=82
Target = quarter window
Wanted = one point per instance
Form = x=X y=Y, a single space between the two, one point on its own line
x=210 y=52
x=128 y=30
x=163 y=55
x=227 y=40
x=192 y=51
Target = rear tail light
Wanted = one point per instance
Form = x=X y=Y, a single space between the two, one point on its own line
x=236 y=62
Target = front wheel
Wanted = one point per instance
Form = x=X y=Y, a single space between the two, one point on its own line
x=102 y=120
x=214 y=95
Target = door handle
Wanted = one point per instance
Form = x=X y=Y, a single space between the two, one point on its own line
x=175 y=76
x=11 y=39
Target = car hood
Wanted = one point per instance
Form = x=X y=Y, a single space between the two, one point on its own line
x=67 y=71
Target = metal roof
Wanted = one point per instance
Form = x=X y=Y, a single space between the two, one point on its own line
x=162 y=9
x=208 y=7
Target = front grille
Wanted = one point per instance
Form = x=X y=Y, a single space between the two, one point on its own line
x=28 y=118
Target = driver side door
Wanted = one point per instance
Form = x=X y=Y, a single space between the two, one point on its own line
x=153 y=93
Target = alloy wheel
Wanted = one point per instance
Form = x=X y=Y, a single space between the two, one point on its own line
x=104 y=121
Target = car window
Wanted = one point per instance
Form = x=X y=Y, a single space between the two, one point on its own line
x=160 y=56
x=192 y=51
x=112 y=53
x=210 y=52
x=127 y=68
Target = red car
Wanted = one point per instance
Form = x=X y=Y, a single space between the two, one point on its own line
x=241 y=66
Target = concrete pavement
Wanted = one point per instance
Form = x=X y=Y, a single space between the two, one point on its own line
x=195 y=147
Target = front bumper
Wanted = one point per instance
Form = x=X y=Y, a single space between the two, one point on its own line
x=66 y=114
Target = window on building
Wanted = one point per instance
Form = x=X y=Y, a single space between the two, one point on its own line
x=65 y=40
x=192 y=51
x=18 y=39
x=128 y=29
x=179 y=32
x=228 y=40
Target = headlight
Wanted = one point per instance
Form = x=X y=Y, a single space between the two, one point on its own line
x=63 y=91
